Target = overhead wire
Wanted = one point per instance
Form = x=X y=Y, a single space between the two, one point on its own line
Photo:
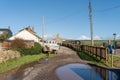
x=108 y=9
x=63 y=18
x=75 y=13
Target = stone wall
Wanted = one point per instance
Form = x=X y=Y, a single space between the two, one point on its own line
x=8 y=54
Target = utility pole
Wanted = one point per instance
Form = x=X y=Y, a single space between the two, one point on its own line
x=43 y=30
x=91 y=28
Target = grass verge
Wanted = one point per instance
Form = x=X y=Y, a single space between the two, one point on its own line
x=116 y=60
x=94 y=60
x=11 y=64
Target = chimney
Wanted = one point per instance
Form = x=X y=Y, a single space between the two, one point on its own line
x=33 y=28
x=9 y=27
x=28 y=28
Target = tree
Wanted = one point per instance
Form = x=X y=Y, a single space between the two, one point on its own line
x=3 y=36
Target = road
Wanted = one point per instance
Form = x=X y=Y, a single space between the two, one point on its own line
x=117 y=52
x=43 y=69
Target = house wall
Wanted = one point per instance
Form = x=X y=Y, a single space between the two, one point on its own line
x=29 y=44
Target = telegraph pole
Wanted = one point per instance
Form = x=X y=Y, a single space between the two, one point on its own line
x=43 y=30
x=91 y=28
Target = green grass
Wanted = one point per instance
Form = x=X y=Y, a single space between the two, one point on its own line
x=94 y=60
x=97 y=42
x=11 y=64
x=116 y=60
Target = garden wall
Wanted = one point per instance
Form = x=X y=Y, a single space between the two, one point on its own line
x=8 y=54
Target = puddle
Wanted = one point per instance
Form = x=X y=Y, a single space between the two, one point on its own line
x=11 y=78
x=86 y=72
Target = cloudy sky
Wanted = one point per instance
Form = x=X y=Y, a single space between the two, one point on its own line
x=69 y=18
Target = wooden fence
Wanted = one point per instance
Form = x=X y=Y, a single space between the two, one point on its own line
x=100 y=53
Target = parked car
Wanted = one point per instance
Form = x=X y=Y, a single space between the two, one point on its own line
x=53 y=45
x=50 y=45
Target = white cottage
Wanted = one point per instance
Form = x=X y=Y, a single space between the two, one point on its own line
x=27 y=34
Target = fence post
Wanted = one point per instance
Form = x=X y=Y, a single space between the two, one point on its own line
x=106 y=56
x=96 y=52
x=100 y=54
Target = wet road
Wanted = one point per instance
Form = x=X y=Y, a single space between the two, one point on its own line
x=44 y=69
x=117 y=52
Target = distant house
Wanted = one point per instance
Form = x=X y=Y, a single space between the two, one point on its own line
x=27 y=34
x=58 y=39
x=5 y=33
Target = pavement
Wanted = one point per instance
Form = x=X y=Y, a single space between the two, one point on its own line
x=117 y=52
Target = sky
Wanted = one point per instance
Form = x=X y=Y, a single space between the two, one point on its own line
x=68 y=18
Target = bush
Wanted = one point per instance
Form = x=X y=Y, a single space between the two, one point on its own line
x=37 y=49
x=18 y=43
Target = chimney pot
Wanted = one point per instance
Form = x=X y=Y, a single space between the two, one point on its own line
x=33 y=29
x=9 y=27
x=28 y=28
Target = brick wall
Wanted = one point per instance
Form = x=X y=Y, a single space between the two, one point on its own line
x=7 y=44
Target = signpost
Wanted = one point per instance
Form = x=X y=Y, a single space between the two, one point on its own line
x=115 y=35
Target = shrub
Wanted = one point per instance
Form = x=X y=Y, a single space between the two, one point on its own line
x=18 y=43
x=37 y=49
x=4 y=36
